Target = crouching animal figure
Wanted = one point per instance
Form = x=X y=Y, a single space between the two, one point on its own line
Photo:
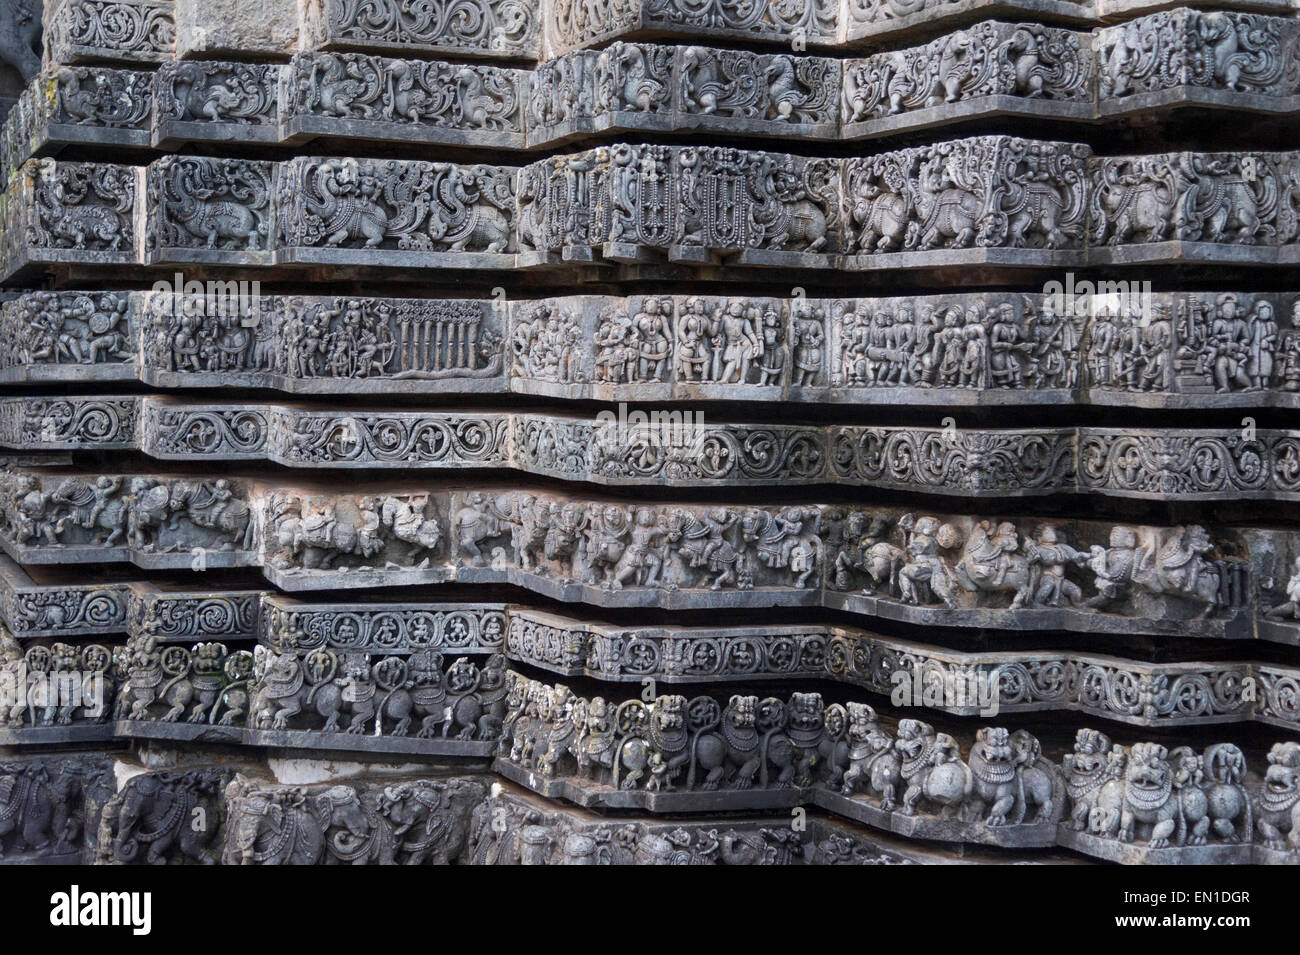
x=1147 y=803
x=932 y=769
x=1086 y=772
x=1010 y=776
x=873 y=759
x=1279 y=803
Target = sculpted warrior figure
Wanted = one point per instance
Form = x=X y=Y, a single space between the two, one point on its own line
x=926 y=572
x=1049 y=556
x=1114 y=566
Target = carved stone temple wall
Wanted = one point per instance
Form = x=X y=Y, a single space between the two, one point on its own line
x=650 y=431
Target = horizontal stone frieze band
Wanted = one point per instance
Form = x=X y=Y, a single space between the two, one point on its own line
x=677 y=448
x=1236 y=61
x=985 y=200
x=909 y=673
x=1113 y=343
x=135 y=31
x=972 y=571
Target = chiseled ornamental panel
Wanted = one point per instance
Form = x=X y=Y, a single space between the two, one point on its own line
x=51 y=822
x=358 y=96
x=127 y=31
x=57 y=423
x=690 y=204
x=70 y=213
x=1022 y=68
x=968 y=684
x=389 y=821
x=208 y=431
x=53 y=517
x=1086 y=343
x=206 y=101
x=378 y=438
x=648 y=86
x=671 y=448
x=674 y=754
x=1174 y=59
x=203 y=209
x=501 y=29
x=573 y=24
x=55 y=692
x=951 y=570
x=323 y=344
x=81 y=609
x=891 y=21
x=1221 y=207
x=77 y=104
x=68 y=336
x=1204 y=57
x=957 y=201
x=395 y=212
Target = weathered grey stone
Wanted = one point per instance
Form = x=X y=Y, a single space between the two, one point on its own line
x=211 y=28
x=162 y=818
x=1231 y=61
x=210 y=210
x=70 y=212
x=572 y=25
x=125 y=31
x=356 y=96
x=405 y=213
x=48 y=799
x=1024 y=69
x=391 y=821
x=216 y=102
x=498 y=29
x=227 y=611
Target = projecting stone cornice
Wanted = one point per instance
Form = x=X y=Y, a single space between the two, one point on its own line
x=1241 y=62
x=672 y=449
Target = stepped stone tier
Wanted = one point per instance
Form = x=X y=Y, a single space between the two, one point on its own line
x=650 y=432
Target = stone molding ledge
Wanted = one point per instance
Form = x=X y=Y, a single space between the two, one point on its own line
x=1238 y=61
x=135 y=31
x=1013 y=203
x=661 y=448
x=1124 y=690
x=1095 y=344
x=916 y=567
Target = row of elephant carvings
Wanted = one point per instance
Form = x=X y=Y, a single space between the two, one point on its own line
x=70 y=809
x=669 y=447
x=134 y=31
x=1110 y=342
x=419 y=821
x=211 y=815
x=957 y=563
x=1102 y=796
x=643 y=202
x=672 y=754
x=651 y=86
